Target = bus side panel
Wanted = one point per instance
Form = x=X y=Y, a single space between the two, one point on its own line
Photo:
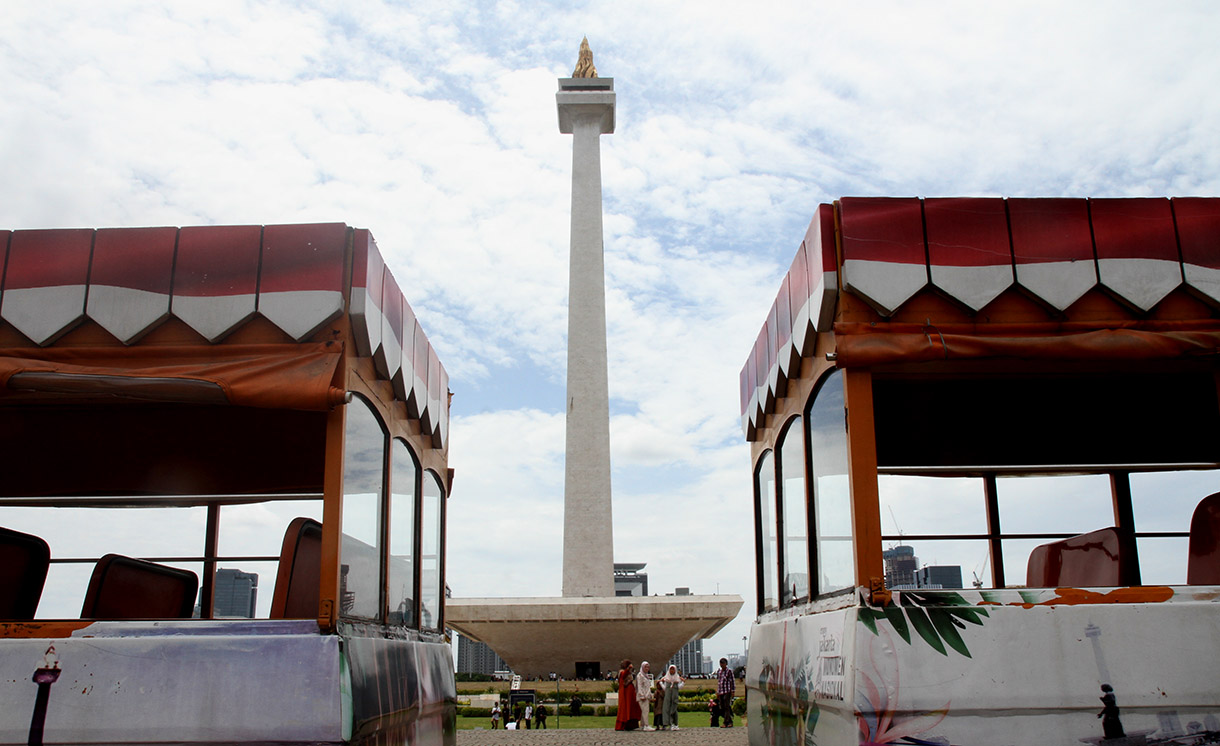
x=403 y=691
x=162 y=687
x=1026 y=667
x=799 y=680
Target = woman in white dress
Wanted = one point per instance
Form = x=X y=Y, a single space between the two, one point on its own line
x=643 y=693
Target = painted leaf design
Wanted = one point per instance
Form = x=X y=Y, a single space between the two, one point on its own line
x=943 y=623
x=970 y=614
x=869 y=616
x=896 y=618
x=992 y=597
x=923 y=625
x=1030 y=597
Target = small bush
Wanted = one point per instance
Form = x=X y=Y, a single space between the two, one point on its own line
x=739 y=706
x=474 y=712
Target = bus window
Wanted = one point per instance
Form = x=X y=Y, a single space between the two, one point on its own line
x=943 y=522
x=79 y=536
x=363 y=480
x=1067 y=504
x=404 y=476
x=1049 y=507
x=1163 y=503
x=793 y=514
x=256 y=529
x=765 y=533
x=432 y=524
x=827 y=436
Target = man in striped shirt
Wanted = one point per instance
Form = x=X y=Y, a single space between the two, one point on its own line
x=726 y=687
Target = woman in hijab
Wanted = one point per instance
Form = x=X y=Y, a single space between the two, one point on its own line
x=643 y=693
x=672 y=681
x=628 y=708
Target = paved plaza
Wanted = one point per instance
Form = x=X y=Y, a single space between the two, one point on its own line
x=604 y=737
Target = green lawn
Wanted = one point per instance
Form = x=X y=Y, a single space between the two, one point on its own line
x=685 y=720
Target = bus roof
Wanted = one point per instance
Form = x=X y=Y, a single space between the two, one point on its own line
x=255 y=316
x=908 y=280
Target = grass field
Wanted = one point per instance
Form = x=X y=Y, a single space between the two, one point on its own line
x=685 y=720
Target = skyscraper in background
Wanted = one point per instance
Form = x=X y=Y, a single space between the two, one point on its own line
x=236 y=594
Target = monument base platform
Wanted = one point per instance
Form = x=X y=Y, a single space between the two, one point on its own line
x=540 y=636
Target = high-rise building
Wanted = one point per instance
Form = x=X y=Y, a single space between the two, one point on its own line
x=236 y=594
x=900 y=566
x=477 y=657
x=939 y=576
x=902 y=571
x=689 y=659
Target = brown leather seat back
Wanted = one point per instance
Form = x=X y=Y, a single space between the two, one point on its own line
x=129 y=588
x=1203 y=566
x=24 y=560
x=1089 y=560
x=299 y=576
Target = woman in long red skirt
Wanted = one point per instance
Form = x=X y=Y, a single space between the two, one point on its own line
x=628 y=708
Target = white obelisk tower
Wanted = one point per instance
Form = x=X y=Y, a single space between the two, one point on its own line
x=588 y=630
x=586 y=111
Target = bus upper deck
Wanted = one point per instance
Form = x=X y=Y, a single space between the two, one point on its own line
x=189 y=417
x=983 y=437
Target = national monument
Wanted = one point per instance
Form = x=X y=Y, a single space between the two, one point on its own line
x=587 y=628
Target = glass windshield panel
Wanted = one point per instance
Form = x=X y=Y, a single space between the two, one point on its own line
x=363 y=477
x=765 y=534
x=917 y=505
x=432 y=526
x=258 y=529
x=831 y=491
x=795 y=518
x=1165 y=501
x=1067 y=504
x=404 y=474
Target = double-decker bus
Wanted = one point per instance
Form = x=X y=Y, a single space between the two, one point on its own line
x=222 y=493
x=985 y=442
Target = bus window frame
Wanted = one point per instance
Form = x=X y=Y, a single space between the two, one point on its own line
x=382 y=511
x=761 y=559
x=442 y=535
x=781 y=515
x=416 y=533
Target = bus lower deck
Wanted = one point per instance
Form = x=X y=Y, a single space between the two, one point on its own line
x=986 y=447
x=223 y=502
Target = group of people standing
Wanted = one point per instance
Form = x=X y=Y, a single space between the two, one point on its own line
x=638 y=693
x=521 y=717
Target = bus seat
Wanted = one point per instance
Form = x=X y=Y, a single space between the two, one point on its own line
x=129 y=588
x=1203 y=566
x=24 y=559
x=300 y=572
x=1092 y=559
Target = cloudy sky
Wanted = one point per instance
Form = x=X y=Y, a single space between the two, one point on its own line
x=433 y=124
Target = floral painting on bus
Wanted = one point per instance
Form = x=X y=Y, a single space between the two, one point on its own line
x=1016 y=667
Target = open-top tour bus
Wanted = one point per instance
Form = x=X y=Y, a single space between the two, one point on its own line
x=986 y=440
x=223 y=491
